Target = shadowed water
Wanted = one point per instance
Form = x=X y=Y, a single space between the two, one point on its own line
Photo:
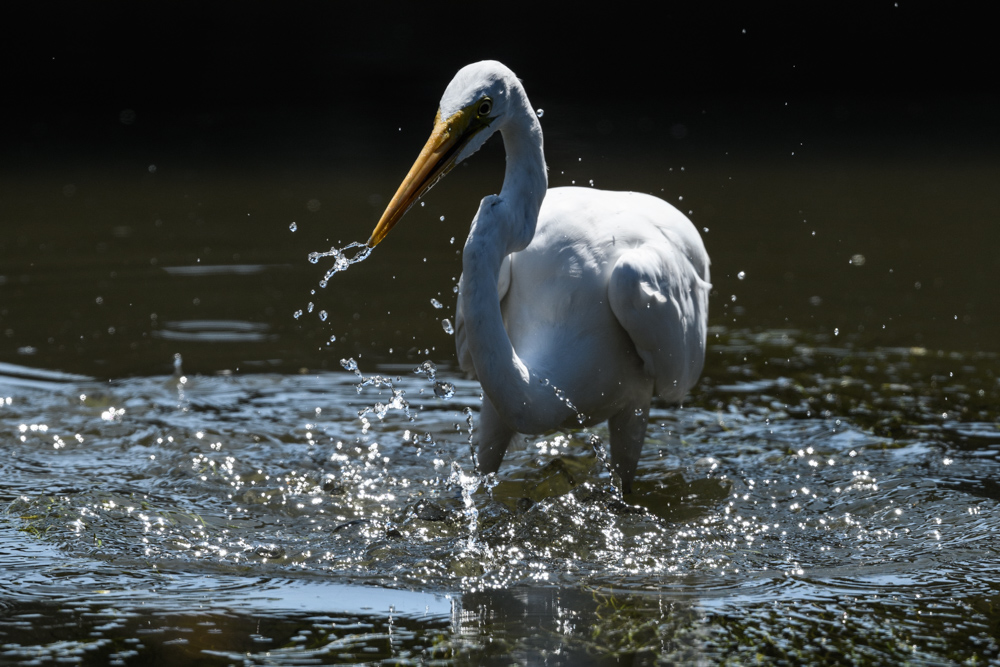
x=296 y=487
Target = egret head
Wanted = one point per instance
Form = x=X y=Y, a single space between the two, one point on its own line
x=473 y=107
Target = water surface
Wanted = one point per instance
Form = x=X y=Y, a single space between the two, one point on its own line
x=827 y=492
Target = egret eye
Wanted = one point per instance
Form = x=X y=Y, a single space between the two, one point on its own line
x=485 y=107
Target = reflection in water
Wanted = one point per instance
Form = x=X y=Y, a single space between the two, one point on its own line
x=215 y=270
x=214 y=331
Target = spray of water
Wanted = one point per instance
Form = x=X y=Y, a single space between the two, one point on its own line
x=397 y=402
x=561 y=395
x=341 y=260
x=595 y=440
x=467 y=483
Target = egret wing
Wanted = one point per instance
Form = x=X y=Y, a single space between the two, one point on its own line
x=660 y=297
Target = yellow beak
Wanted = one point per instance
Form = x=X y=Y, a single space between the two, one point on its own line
x=435 y=160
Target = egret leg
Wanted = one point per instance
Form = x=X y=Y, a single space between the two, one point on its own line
x=628 y=431
x=494 y=437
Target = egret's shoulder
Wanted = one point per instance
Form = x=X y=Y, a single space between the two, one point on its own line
x=594 y=216
x=595 y=203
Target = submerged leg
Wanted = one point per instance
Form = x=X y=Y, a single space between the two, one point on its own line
x=494 y=437
x=628 y=431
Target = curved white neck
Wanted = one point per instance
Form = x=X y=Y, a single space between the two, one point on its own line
x=503 y=225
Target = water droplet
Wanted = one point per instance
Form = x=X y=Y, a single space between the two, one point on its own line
x=444 y=389
x=349 y=364
x=426 y=368
x=836 y=332
x=442 y=218
x=340 y=259
x=310 y=307
x=539 y=112
x=333 y=338
x=436 y=303
x=297 y=314
x=446 y=325
x=293 y=227
x=857 y=260
x=741 y=275
x=322 y=315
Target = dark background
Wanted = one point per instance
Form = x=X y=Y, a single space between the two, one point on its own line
x=138 y=136
x=226 y=79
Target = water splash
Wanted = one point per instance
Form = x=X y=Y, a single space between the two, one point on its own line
x=397 y=402
x=491 y=477
x=183 y=404
x=444 y=389
x=605 y=464
x=341 y=260
x=561 y=395
x=468 y=485
x=595 y=440
x=428 y=369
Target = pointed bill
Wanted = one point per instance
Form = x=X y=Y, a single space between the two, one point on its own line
x=437 y=158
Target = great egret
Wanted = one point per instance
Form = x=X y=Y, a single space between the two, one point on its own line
x=575 y=304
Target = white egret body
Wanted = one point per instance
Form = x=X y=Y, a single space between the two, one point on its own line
x=573 y=302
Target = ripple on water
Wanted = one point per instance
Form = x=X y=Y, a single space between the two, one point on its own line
x=781 y=512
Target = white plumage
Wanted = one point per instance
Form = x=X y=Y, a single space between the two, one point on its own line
x=573 y=302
